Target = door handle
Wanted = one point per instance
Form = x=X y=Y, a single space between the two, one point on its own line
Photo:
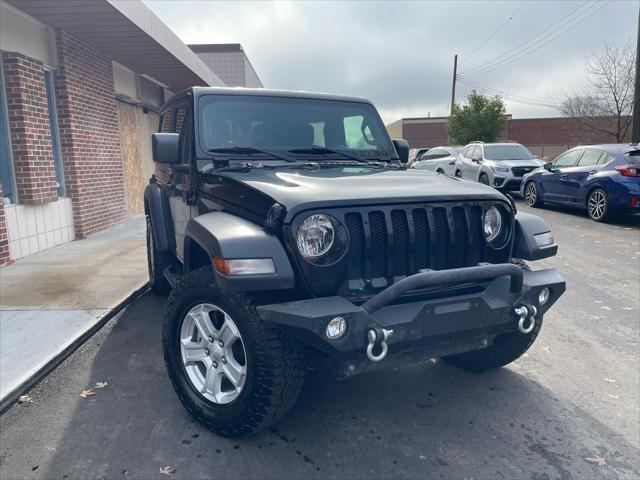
x=564 y=175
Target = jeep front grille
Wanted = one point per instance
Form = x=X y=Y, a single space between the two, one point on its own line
x=391 y=242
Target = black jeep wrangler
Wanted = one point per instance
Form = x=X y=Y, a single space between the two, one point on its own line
x=290 y=236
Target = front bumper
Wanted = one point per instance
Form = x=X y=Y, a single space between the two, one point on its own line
x=429 y=325
x=508 y=183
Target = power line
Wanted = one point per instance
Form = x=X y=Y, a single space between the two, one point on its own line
x=574 y=18
x=507 y=96
x=464 y=59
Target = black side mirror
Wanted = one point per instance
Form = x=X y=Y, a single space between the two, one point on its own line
x=165 y=147
x=548 y=166
x=402 y=148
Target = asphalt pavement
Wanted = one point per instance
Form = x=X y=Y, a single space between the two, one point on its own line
x=569 y=409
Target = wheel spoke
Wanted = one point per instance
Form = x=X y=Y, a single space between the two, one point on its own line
x=203 y=322
x=193 y=351
x=228 y=333
x=234 y=372
x=212 y=381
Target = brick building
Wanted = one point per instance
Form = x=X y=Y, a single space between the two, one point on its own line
x=230 y=63
x=545 y=137
x=81 y=83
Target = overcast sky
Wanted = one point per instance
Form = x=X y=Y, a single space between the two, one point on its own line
x=400 y=54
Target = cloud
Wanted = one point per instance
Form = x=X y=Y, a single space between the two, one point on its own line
x=400 y=54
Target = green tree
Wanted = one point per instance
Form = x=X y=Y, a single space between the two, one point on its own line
x=480 y=118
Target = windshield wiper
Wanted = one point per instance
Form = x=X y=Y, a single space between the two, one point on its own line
x=251 y=151
x=325 y=150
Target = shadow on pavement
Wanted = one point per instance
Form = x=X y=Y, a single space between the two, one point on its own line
x=423 y=421
x=620 y=220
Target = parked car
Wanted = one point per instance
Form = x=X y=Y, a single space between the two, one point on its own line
x=414 y=154
x=440 y=160
x=603 y=179
x=500 y=165
x=288 y=234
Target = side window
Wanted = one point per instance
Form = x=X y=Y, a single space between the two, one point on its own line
x=589 y=158
x=568 y=159
x=474 y=151
x=165 y=122
x=466 y=152
x=6 y=165
x=355 y=135
x=606 y=158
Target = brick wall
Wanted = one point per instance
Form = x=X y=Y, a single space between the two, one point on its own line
x=29 y=126
x=4 y=237
x=89 y=136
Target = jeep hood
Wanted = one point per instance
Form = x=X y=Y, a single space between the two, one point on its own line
x=303 y=189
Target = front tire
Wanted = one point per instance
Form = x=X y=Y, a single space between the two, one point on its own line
x=484 y=179
x=268 y=365
x=532 y=194
x=505 y=348
x=156 y=264
x=598 y=205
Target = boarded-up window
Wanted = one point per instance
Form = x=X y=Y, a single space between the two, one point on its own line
x=151 y=92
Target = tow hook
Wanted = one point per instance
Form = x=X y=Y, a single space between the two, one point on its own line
x=527 y=321
x=375 y=337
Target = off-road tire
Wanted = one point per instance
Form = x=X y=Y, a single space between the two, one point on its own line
x=156 y=263
x=532 y=194
x=484 y=179
x=275 y=361
x=505 y=348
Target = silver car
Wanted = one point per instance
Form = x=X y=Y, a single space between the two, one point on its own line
x=440 y=159
x=500 y=165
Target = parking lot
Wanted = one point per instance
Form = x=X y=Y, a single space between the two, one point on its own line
x=566 y=410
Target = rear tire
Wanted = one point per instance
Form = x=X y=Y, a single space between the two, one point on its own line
x=484 y=179
x=598 y=205
x=273 y=362
x=532 y=194
x=458 y=174
x=505 y=348
x=156 y=263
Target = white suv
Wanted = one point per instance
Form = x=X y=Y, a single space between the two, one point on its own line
x=500 y=165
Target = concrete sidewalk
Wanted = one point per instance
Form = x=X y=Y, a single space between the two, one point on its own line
x=50 y=301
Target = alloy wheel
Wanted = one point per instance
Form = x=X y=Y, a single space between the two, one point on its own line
x=213 y=353
x=597 y=204
x=531 y=194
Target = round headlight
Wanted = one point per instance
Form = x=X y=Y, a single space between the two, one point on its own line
x=315 y=236
x=492 y=224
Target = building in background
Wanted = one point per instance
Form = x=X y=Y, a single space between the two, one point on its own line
x=81 y=85
x=230 y=63
x=545 y=137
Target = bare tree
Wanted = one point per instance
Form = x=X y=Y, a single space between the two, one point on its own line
x=606 y=105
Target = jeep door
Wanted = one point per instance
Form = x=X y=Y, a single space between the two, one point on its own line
x=180 y=191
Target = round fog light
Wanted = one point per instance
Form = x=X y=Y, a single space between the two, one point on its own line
x=336 y=328
x=544 y=296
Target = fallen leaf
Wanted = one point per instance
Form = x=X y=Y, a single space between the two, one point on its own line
x=613 y=396
x=546 y=349
x=598 y=460
x=24 y=399
x=597 y=301
x=168 y=470
x=525 y=355
x=87 y=393
x=609 y=380
x=604 y=307
x=101 y=384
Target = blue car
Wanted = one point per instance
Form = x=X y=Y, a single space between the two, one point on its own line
x=603 y=179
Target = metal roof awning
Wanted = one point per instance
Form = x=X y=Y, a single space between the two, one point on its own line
x=130 y=33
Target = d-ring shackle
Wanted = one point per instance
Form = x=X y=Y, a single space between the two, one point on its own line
x=372 y=336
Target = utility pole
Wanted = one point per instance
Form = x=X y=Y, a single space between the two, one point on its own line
x=453 y=83
x=635 y=119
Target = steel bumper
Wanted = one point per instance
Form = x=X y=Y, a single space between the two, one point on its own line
x=433 y=326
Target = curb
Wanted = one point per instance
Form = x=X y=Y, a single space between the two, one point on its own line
x=13 y=396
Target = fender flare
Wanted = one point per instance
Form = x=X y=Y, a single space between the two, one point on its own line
x=527 y=226
x=156 y=206
x=220 y=234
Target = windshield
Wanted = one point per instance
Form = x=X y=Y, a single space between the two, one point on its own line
x=507 y=152
x=281 y=124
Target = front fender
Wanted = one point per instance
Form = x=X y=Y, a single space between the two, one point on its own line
x=230 y=237
x=157 y=208
x=525 y=247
